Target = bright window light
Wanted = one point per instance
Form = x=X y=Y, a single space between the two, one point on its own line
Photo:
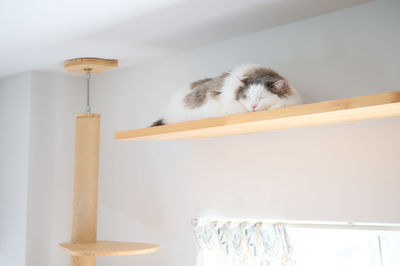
x=345 y=247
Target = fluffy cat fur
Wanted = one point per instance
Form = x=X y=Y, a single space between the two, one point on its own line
x=248 y=88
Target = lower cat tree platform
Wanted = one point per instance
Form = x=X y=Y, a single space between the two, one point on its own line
x=84 y=246
x=108 y=248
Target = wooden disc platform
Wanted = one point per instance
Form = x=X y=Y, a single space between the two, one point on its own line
x=108 y=248
x=96 y=65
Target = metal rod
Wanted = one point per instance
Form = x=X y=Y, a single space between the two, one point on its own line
x=320 y=224
x=377 y=227
x=88 y=90
x=380 y=249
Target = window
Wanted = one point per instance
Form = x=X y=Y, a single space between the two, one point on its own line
x=345 y=247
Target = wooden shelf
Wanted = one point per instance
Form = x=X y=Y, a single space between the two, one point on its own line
x=108 y=248
x=329 y=112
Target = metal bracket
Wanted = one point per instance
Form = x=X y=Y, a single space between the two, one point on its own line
x=88 y=75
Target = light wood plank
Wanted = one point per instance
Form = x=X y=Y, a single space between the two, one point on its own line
x=84 y=205
x=329 y=112
x=108 y=248
x=82 y=261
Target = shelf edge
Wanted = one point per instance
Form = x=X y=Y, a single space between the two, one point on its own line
x=108 y=248
x=328 y=112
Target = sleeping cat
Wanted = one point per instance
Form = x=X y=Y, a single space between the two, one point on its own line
x=248 y=88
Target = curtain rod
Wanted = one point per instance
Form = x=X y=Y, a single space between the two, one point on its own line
x=315 y=224
x=354 y=226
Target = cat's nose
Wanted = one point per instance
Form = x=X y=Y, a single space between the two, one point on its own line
x=253 y=107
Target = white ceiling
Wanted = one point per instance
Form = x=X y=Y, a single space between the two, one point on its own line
x=41 y=34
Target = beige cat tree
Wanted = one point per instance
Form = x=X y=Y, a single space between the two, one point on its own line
x=84 y=246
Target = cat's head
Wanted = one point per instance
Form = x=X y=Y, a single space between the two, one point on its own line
x=261 y=88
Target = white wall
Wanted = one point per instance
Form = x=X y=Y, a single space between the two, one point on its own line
x=149 y=191
x=56 y=99
x=14 y=162
x=37 y=122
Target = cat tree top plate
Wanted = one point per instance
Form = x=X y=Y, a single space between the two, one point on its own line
x=329 y=112
x=97 y=65
x=108 y=248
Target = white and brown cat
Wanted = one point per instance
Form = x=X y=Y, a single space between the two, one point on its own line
x=248 y=88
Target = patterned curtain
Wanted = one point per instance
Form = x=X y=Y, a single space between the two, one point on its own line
x=242 y=244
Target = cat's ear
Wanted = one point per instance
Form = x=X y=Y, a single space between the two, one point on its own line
x=280 y=86
x=243 y=79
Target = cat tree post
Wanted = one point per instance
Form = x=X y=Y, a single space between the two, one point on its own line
x=84 y=246
x=84 y=206
x=86 y=169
